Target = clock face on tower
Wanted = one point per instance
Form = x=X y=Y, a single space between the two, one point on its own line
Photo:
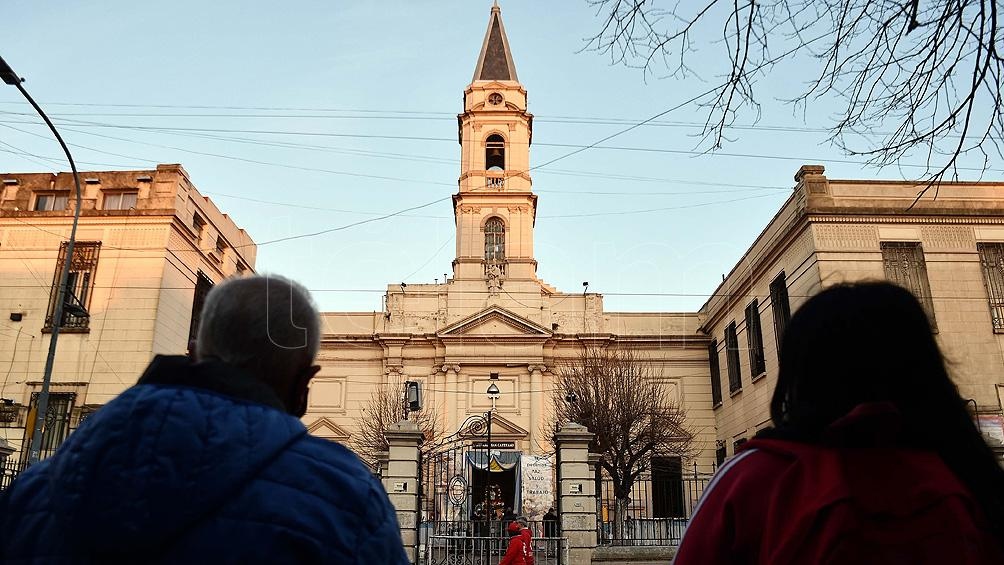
x=494 y=98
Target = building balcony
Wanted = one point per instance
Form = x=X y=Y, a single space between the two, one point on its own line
x=495 y=181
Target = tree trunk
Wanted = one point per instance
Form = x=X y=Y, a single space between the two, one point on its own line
x=620 y=516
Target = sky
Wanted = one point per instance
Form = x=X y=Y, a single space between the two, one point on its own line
x=306 y=116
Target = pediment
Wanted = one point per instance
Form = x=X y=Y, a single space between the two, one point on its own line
x=325 y=428
x=495 y=321
x=502 y=430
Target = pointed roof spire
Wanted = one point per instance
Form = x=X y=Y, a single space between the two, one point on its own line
x=495 y=61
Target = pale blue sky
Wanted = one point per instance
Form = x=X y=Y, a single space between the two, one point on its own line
x=398 y=68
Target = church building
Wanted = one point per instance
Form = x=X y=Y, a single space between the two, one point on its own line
x=495 y=322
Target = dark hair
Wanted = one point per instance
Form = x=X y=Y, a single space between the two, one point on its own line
x=872 y=342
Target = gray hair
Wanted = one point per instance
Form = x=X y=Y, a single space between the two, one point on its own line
x=265 y=323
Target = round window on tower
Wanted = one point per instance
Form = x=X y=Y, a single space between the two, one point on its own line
x=495 y=98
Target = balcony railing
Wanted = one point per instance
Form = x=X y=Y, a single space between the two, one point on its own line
x=495 y=182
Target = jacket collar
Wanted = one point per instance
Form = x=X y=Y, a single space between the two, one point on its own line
x=212 y=375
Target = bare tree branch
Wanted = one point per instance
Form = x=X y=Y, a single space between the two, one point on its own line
x=384 y=408
x=914 y=77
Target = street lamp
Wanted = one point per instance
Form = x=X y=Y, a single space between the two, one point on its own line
x=8 y=76
x=493 y=393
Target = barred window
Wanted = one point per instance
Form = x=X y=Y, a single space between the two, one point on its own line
x=203 y=285
x=781 y=307
x=992 y=261
x=903 y=262
x=754 y=340
x=716 y=373
x=79 y=284
x=732 y=358
x=494 y=240
x=56 y=425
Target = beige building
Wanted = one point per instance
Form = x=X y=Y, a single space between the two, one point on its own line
x=149 y=247
x=949 y=251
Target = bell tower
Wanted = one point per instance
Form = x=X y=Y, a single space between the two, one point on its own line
x=495 y=208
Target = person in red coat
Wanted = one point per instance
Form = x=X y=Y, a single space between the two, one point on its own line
x=872 y=458
x=515 y=554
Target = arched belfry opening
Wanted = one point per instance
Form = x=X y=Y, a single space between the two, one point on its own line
x=494 y=241
x=495 y=153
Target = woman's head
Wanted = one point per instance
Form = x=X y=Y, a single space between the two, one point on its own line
x=858 y=343
x=872 y=343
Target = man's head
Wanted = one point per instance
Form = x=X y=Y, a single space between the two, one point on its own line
x=268 y=326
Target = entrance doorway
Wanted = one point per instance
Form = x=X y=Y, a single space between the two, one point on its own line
x=497 y=487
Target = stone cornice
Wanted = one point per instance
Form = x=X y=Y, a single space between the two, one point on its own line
x=845 y=218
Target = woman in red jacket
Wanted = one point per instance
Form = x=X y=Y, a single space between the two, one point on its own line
x=873 y=457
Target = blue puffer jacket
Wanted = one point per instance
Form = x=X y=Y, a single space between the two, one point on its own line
x=169 y=472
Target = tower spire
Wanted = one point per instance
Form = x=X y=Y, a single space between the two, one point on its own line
x=495 y=61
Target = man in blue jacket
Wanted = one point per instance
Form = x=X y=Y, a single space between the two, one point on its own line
x=207 y=461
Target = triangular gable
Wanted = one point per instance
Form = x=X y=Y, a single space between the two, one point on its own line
x=494 y=321
x=325 y=428
x=502 y=429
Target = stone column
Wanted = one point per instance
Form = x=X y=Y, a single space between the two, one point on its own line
x=400 y=480
x=452 y=389
x=536 y=406
x=576 y=492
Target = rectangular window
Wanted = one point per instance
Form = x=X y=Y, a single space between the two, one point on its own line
x=79 y=284
x=736 y=444
x=903 y=262
x=48 y=202
x=221 y=245
x=754 y=340
x=716 y=373
x=56 y=425
x=198 y=223
x=992 y=261
x=203 y=285
x=667 y=488
x=781 y=307
x=732 y=358
x=721 y=452
x=119 y=200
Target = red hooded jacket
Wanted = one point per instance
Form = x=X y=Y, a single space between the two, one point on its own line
x=782 y=502
x=515 y=554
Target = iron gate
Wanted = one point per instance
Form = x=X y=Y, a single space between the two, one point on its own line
x=458 y=503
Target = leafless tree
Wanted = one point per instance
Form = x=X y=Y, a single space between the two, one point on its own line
x=620 y=400
x=912 y=76
x=384 y=408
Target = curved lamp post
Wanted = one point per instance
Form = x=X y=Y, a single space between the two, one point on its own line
x=493 y=393
x=34 y=451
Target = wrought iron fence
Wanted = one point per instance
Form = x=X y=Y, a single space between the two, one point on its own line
x=485 y=542
x=10 y=468
x=657 y=508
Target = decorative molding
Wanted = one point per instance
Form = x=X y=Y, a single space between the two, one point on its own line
x=846 y=237
x=323 y=427
x=942 y=237
x=495 y=313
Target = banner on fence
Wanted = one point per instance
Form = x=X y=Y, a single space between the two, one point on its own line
x=538 y=485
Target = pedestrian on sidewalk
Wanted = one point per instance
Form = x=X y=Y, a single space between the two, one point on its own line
x=516 y=553
x=873 y=456
x=205 y=460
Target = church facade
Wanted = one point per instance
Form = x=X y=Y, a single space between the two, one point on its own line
x=495 y=322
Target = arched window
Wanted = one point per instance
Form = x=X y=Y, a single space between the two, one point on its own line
x=494 y=240
x=495 y=153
